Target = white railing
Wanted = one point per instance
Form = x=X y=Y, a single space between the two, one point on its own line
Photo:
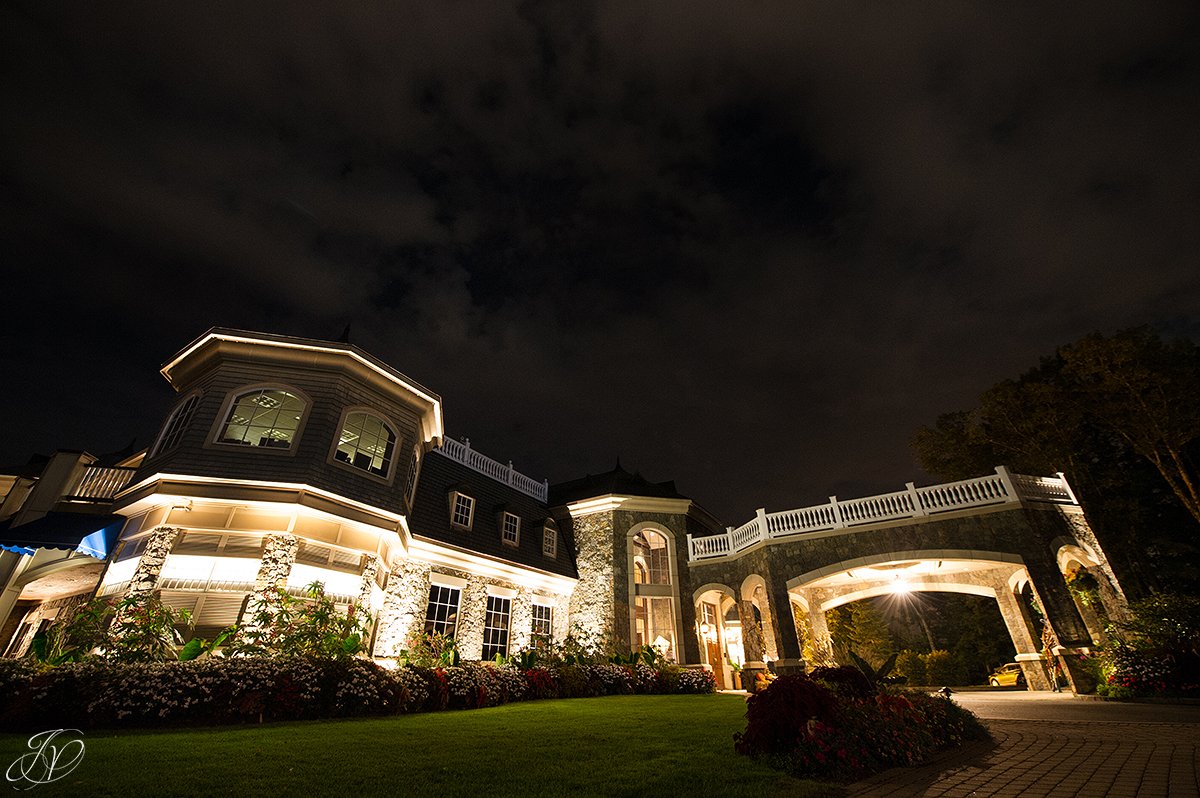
x=992 y=490
x=462 y=452
x=100 y=483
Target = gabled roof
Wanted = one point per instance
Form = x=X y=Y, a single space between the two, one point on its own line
x=430 y=516
x=617 y=481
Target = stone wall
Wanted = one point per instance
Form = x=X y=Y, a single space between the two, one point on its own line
x=407 y=596
x=592 y=607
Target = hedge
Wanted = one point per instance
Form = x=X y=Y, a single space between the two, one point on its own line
x=256 y=689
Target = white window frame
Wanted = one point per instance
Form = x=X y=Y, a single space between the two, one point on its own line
x=410 y=485
x=548 y=635
x=505 y=630
x=550 y=540
x=444 y=584
x=454 y=522
x=177 y=423
x=515 y=539
x=216 y=438
x=397 y=444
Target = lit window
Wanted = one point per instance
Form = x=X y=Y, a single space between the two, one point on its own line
x=511 y=530
x=543 y=622
x=177 y=424
x=411 y=480
x=366 y=442
x=441 y=615
x=462 y=510
x=650 y=559
x=268 y=417
x=495 y=627
x=550 y=540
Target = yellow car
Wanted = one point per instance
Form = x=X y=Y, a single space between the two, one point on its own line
x=1007 y=676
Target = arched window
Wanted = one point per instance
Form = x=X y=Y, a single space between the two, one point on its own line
x=653 y=621
x=267 y=417
x=652 y=565
x=177 y=424
x=366 y=442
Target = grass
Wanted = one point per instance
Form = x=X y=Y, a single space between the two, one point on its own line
x=614 y=746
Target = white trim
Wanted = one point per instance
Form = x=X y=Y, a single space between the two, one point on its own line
x=501 y=592
x=216 y=435
x=456 y=582
x=436 y=553
x=504 y=516
x=454 y=497
x=613 y=501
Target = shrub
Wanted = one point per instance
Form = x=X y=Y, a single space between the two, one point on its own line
x=910 y=665
x=845 y=681
x=941 y=668
x=799 y=725
x=1156 y=651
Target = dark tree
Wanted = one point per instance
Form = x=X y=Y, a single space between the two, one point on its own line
x=1120 y=416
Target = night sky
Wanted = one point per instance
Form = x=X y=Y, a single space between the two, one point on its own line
x=747 y=246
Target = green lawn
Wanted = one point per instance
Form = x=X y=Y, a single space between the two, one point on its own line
x=617 y=746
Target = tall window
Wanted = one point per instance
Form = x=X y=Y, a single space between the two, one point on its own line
x=653 y=621
x=495 y=627
x=267 y=417
x=511 y=530
x=366 y=442
x=462 y=510
x=441 y=615
x=177 y=424
x=652 y=565
x=550 y=540
x=543 y=623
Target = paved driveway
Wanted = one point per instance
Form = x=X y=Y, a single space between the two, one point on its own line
x=1055 y=744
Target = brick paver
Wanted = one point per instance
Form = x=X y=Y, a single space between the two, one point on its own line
x=1059 y=758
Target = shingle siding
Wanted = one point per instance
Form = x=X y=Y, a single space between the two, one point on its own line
x=430 y=518
x=330 y=393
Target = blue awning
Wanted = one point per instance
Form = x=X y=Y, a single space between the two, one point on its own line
x=93 y=535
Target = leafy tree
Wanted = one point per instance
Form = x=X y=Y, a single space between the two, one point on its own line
x=1119 y=415
x=860 y=628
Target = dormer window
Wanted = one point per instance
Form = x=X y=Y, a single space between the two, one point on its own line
x=462 y=510
x=266 y=417
x=510 y=529
x=550 y=540
x=367 y=442
x=177 y=424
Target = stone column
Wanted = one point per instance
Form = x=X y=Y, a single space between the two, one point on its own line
x=520 y=623
x=403 y=612
x=472 y=612
x=158 y=546
x=366 y=589
x=279 y=552
x=770 y=647
x=787 y=642
x=1027 y=648
x=822 y=642
x=594 y=609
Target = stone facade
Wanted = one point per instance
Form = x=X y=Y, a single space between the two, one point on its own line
x=593 y=602
x=158 y=546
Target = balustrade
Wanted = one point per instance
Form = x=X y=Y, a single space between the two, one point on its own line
x=996 y=489
x=98 y=482
x=462 y=452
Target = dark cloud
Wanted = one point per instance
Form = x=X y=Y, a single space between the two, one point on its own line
x=748 y=248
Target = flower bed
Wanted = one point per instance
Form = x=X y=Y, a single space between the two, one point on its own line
x=837 y=728
x=95 y=693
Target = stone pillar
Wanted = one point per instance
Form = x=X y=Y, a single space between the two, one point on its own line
x=403 y=612
x=770 y=647
x=279 y=552
x=752 y=635
x=472 y=612
x=791 y=659
x=520 y=624
x=822 y=642
x=1027 y=648
x=145 y=575
x=594 y=611
x=366 y=591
